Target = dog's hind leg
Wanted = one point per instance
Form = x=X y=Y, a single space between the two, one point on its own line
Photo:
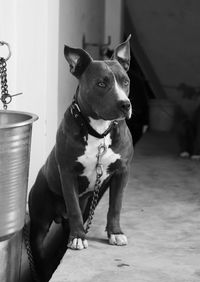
x=41 y=202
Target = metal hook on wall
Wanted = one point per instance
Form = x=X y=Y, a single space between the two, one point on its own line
x=5 y=97
x=101 y=46
x=9 y=51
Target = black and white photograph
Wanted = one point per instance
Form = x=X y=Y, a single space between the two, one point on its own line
x=99 y=141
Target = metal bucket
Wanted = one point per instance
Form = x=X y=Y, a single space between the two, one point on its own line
x=15 y=144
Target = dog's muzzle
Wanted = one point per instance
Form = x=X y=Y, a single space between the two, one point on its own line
x=125 y=108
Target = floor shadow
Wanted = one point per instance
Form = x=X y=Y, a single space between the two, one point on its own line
x=99 y=240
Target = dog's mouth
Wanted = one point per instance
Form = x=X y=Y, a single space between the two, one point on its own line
x=118 y=117
x=128 y=114
x=124 y=114
x=114 y=114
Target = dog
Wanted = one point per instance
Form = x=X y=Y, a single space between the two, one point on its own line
x=93 y=150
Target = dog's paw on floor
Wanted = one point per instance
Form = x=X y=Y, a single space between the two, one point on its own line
x=78 y=244
x=118 y=240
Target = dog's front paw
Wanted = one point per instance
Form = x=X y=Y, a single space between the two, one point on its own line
x=118 y=239
x=78 y=244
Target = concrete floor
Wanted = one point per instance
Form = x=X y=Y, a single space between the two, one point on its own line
x=161 y=217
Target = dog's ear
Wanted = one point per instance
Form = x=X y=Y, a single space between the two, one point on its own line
x=78 y=60
x=122 y=54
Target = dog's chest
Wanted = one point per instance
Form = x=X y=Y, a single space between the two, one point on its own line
x=90 y=156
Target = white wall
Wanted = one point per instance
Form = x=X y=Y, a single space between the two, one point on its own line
x=77 y=18
x=7 y=33
x=113 y=22
x=31 y=28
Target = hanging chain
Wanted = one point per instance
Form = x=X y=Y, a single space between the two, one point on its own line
x=5 y=98
x=99 y=173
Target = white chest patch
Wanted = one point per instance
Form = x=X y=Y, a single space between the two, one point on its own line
x=89 y=159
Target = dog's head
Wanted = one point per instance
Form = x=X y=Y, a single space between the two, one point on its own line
x=103 y=85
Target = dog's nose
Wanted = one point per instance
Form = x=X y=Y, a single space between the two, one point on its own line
x=124 y=106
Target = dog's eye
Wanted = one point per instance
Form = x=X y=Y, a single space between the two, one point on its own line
x=126 y=82
x=101 y=84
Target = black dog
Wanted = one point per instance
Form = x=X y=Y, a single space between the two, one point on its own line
x=93 y=151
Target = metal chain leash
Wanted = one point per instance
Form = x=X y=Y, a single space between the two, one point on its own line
x=99 y=173
x=93 y=203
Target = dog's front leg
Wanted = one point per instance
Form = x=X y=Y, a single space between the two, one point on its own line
x=114 y=231
x=77 y=239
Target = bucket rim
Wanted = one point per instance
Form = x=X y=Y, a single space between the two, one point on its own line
x=30 y=120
